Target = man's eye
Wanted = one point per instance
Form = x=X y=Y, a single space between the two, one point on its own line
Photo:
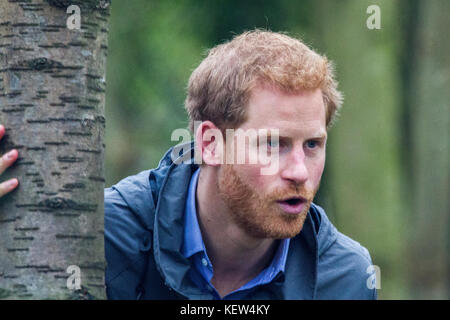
x=312 y=144
x=273 y=143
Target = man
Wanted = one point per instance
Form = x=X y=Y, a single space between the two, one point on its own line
x=225 y=229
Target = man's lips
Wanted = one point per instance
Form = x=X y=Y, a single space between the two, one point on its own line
x=293 y=205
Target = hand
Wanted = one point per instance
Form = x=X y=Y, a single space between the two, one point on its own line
x=5 y=161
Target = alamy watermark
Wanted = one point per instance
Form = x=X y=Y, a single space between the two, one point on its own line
x=74 y=280
x=73 y=22
x=374 y=279
x=374 y=20
x=252 y=146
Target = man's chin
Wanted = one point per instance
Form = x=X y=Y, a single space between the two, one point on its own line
x=290 y=224
x=284 y=226
x=293 y=228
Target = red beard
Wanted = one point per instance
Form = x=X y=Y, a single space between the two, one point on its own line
x=260 y=215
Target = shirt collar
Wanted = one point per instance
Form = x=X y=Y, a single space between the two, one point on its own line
x=193 y=241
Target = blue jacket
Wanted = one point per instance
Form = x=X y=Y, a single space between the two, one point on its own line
x=144 y=233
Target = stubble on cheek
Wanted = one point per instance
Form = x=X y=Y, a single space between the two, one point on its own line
x=259 y=215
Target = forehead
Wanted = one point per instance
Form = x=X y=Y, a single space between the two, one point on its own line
x=292 y=113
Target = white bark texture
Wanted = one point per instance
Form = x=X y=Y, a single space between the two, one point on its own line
x=52 y=99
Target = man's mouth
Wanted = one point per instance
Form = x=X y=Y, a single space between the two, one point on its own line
x=293 y=205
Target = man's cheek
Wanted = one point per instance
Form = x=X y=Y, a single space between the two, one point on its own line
x=318 y=171
x=271 y=164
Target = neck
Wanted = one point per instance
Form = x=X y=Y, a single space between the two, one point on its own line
x=236 y=256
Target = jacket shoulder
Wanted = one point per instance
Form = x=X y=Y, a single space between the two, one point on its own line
x=344 y=271
x=128 y=236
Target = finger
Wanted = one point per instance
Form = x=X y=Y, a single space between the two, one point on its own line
x=2 y=131
x=8 y=159
x=8 y=186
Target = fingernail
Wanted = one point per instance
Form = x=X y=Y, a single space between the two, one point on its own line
x=11 y=183
x=10 y=154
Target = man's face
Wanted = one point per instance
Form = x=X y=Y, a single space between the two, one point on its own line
x=275 y=206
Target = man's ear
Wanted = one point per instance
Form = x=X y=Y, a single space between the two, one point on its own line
x=209 y=142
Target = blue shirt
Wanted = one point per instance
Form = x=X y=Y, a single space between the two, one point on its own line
x=202 y=269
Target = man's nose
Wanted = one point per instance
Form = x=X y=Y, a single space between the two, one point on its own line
x=295 y=168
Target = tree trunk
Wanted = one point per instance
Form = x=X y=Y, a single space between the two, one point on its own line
x=52 y=97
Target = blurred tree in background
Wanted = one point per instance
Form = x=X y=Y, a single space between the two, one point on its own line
x=386 y=178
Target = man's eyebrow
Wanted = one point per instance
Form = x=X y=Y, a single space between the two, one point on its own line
x=321 y=136
x=317 y=135
x=313 y=136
